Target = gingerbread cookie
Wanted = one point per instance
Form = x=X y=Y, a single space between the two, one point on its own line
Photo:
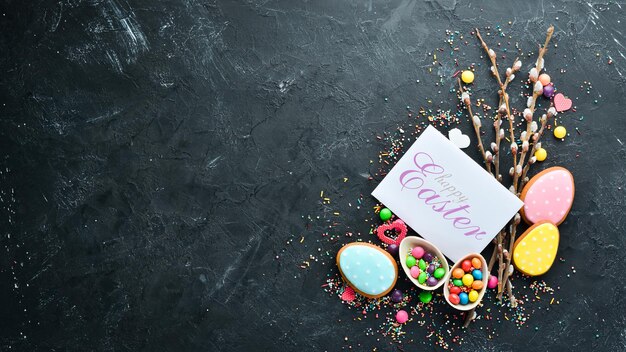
x=548 y=196
x=370 y=270
x=535 y=250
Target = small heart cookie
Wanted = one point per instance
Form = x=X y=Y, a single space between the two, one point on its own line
x=458 y=138
x=399 y=226
x=348 y=294
x=561 y=103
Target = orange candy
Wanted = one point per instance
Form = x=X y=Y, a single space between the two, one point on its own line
x=458 y=273
x=544 y=79
x=476 y=263
x=477 y=285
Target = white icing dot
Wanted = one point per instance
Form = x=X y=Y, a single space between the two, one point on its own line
x=547 y=202
x=543 y=190
x=558 y=199
x=534 y=202
x=527 y=252
x=567 y=188
x=538 y=249
x=556 y=188
x=367 y=284
x=550 y=213
x=551 y=177
x=535 y=239
x=562 y=212
x=368 y=271
x=538 y=259
x=569 y=200
x=358 y=263
x=381 y=278
x=378 y=265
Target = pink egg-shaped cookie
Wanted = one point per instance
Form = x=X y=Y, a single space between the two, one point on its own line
x=548 y=196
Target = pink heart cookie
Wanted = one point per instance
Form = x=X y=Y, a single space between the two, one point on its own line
x=561 y=103
x=398 y=225
x=348 y=294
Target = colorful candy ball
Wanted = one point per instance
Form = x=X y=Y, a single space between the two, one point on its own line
x=454 y=298
x=410 y=261
x=544 y=78
x=493 y=282
x=467 y=280
x=473 y=296
x=402 y=317
x=466 y=265
x=385 y=214
x=428 y=257
x=397 y=296
x=541 y=154
x=467 y=76
x=548 y=91
x=560 y=132
x=476 y=263
x=477 y=285
x=439 y=273
x=431 y=281
x=417 y=252
x=426 y=296
x=455 y=289
x=415 y=272
x=458 y=273
x=422 y=277
x=430 y=269
x=477 y=274
x=463 y=298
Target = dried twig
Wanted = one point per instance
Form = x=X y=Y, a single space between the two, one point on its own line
x=465 y=97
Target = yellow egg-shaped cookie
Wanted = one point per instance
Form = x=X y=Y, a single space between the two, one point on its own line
x=535 y=251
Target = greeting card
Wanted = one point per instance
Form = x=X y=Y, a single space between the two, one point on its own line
x=446 y=197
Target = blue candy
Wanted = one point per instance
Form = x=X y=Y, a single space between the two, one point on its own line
x=477 y=274
x=464 y=298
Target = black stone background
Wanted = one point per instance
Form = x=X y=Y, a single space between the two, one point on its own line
x=156 y=156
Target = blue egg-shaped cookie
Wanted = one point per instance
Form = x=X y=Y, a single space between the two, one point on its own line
x=370 y=270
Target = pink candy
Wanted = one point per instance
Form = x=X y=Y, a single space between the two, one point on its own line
x=417 y=252
x=493 y=282
x=415 y=271
x=402 y=316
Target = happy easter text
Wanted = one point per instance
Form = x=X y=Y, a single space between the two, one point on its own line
x=443 y=198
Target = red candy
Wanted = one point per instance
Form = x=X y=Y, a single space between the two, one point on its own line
x=454 y=298
x=455 y=290
x=466 y=265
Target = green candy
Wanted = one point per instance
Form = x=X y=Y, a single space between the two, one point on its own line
x=439 y=273
x=385 y=214
x=422 y=277
x=410 y=261
x=457 y=282
x=422 y=264
x=426 y=296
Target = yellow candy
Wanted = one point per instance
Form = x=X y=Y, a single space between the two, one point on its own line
x=535 y=251
x=541 y=154
x=467 y=76
x=473 y=296
x=560 y=132
x=468 y=279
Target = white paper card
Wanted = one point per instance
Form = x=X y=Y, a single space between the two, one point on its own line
x=446 y=197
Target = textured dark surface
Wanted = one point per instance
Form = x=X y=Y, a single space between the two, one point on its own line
x=156 y=157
